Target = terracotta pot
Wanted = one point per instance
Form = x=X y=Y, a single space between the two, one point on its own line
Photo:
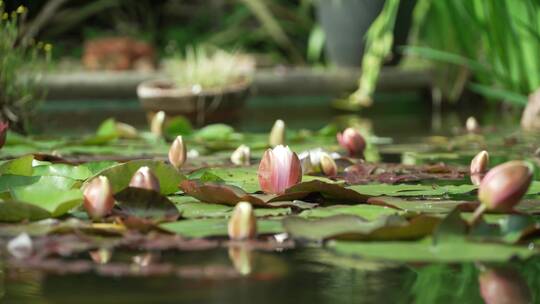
x=212 y=105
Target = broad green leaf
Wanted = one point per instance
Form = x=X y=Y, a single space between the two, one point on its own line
x=107 y=128
x=14 y=211
x=8 y=182
x=192 y=208
x=215 y=132
x=120 y=175
x=75 y=172
x=55 y=200
x=199 y=228
x=178 y=125
x=349 y=227
x=369 y=212
x=18 y=166
x=98 y=166
x=411 y=190
x=426 y=251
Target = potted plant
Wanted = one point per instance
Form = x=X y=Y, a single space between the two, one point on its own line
x=205 y=85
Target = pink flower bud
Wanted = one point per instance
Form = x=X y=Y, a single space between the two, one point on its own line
x=177 y=153
x=157 y=123
x=504 y=285
x=279 y=169
x=243 y=223
x=353 y=142
x=4 y=126
x=145 y=179
x=503 y=186
x=277 y=134
x=98 y=197
x=479 y=167
x=328 y=165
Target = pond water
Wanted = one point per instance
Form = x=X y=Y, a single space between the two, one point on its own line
x=308 y=275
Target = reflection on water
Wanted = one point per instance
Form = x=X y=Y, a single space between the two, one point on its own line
x=299 y=276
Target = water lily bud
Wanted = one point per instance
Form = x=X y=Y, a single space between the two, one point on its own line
x=243 y=223
x=98 y=197
x=277 y=135
x=241 y=156
x=472 y=125
x=503 y=186
x=353 y=142
x=157 y=124
x=177 y=153
x=479 y=167
x=4 y=126
x=504 y=285
x=126 y=131
x=279 y=169
x=145 y=179
x=328 y=165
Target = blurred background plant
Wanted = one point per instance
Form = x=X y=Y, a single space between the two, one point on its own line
x=489 y=47
x=208 y=68
x=19 y=96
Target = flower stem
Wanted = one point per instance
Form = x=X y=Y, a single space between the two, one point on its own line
x=477 y=214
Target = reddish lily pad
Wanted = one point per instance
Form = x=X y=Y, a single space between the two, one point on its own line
x=145 y=203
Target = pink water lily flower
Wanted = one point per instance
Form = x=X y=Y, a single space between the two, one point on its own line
x=279 y=169
x=4 y=126
x=353 y=142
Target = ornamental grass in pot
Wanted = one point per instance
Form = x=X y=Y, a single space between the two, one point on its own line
x=205 y=86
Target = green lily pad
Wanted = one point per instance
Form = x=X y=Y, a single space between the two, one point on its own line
x=411 y=190
x=369 y=212
x=14 y=211
x=18 y=166
x=120 y=175
x=426 y=251
x=75 y=172
x=56 y=201
x=349 y=227
x=200 y=228
x=192 y=208
x=423 y=206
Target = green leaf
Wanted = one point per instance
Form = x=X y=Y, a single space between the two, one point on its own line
x=200 y=228
x=107 y=129
x=120 y=175
x=411 y=190
x=389 y=227
x=423 y=206
x=369 y=212
x=8 y=182
x=13 y=211
x=98 y=166
x=426 y=251
x=192 y=208
x=215 y=132
x=75 y=172
x=18 y=166
x=178 y=125
x=55 y=200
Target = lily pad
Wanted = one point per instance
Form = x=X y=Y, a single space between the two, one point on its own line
x=193 y=208
x=199 y=228
x=369 y=212
x=14 y=211
x=423 y=206
x=75 y=172
x=56 y=201
x=411 y=190
x=120 y=175
x=18 y=166
x=349 y=227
